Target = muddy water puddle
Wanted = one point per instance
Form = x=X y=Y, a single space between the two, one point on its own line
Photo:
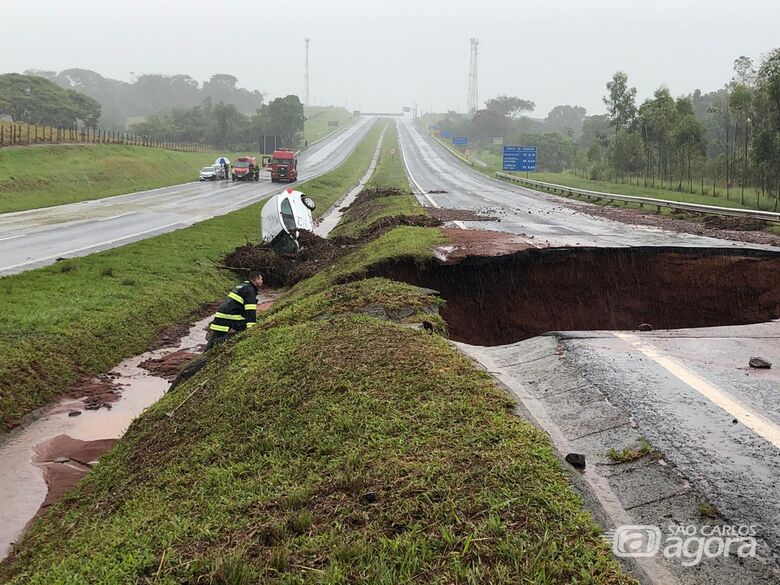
x=42 y=460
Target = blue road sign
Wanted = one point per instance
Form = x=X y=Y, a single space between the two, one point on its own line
x=460 y=140
x=446 y=133
x=519 y=158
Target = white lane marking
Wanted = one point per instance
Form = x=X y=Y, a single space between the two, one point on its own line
x=117 y=216
x=460 y=224
x=89 y=247
x=746 y=415
x=12 y=237
x=411 y=177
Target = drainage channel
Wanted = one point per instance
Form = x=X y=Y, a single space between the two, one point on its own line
x=498 y=300
x=42 y=460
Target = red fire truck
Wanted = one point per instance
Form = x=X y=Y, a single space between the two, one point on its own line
x=284 y=166
x=245 y=169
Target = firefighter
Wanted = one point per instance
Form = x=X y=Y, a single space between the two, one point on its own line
x=237 y=312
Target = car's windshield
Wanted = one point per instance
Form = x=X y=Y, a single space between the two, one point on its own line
x=242 y=164
x=283 y=161
x=207 y=170
x=288 y=218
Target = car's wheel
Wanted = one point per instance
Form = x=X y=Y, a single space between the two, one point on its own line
x=308 y=202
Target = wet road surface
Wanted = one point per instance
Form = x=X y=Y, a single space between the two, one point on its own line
x=714 y=420
x=29 y=239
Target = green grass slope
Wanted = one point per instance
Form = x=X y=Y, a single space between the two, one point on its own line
x=42 y=176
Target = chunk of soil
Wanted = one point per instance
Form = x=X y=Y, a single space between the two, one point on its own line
x=505 y=299
x=281 y=270
x=169 y=365
x=65 y=461
x=96 y=391
x=759 y=363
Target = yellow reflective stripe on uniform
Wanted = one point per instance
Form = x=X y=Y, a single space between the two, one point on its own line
x=250 y=324
x=250 y=306
x=229 y=316
x=236 y=297
x=221 y=328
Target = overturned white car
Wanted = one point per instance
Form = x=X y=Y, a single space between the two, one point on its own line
x=283 y=217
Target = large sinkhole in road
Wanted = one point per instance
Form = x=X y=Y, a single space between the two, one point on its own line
x=504 y=299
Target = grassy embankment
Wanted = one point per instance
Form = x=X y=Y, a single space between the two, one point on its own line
x=42 y=176
x=87 y=314
x=326 y=446
x=317 y=117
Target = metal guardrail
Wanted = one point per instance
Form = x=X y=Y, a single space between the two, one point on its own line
x=768 y=216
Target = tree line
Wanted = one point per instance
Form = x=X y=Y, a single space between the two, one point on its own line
x=34 y=100
x=151 y=93
x=729 y=137
x=224 y=126
x=724 y=142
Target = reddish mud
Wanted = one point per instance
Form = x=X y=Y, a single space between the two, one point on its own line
x=463 y=243
x=65 y=461
x=96 y=391
x=169 y=365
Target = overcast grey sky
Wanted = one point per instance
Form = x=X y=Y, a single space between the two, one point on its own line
x=382 y=55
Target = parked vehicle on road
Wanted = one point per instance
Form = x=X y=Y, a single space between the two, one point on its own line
x=284 y=166
x=283 y=217
x=210 y=173
x=245 y=169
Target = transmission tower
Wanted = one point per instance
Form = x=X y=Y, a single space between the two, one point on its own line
x=306 y=75
x=473 y=98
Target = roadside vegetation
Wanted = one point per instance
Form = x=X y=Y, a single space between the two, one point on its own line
x=719 y=147
x=86 y=314
x=327 y=446
x=42 y=176
x=570 y=179
x=317 y=118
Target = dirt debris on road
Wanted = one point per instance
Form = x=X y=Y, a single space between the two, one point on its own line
x=726 y=228
x=446 y=214
x=464 y=243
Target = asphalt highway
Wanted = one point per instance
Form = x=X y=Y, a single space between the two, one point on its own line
x=545 y=220
x=713 y=421
x=29 y=239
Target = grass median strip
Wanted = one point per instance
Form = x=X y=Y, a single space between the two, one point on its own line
x=87 y=314
x=387 y=194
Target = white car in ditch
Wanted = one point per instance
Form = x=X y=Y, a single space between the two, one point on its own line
x=283 y=217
